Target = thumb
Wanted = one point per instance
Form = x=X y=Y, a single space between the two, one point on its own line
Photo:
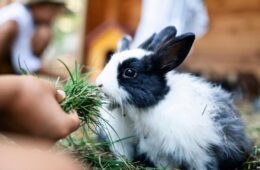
x=73 y=121
x=69 y=124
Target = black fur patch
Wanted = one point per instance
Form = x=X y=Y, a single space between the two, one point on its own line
x=147 y=88
x=184 y=166
x=235 y=145
x=143 y=160
x=225 y=161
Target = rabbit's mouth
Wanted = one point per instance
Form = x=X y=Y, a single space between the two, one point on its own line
x=113 y=105
x=110 y=98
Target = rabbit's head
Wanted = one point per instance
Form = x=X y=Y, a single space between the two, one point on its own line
x=137 y=76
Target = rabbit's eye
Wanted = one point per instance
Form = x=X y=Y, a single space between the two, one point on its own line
x=129 y=73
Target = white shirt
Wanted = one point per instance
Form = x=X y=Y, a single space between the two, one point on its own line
x=22 y=54
x=185 y=15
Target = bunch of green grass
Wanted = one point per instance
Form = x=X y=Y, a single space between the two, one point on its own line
x=86 y=100
x=82 y=97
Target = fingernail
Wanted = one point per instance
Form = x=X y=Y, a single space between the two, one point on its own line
x=61 y=95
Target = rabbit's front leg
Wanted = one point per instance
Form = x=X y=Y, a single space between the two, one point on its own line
x=118 y=130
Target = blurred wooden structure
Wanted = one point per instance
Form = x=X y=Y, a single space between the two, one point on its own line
x=126 y=13
x=231 y=46
x=100 y=43
x=107 y=21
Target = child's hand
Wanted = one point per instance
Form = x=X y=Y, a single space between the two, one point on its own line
x=30 y=106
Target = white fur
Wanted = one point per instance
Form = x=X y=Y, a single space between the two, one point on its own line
x=180 y=125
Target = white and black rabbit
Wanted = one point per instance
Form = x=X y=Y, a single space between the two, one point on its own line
x=169 y=119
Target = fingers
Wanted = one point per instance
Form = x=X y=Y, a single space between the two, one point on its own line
x=69 y=124
x=73 y=121
x=60 y=95
x=51 y=121
x=70 y=121
x=61 y=124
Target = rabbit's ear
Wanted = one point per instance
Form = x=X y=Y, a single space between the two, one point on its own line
x=124 y=43
x=172 y=53
x=147 y=42
x=163 y=36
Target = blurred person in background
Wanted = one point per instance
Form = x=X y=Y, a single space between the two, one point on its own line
x=25 y=32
